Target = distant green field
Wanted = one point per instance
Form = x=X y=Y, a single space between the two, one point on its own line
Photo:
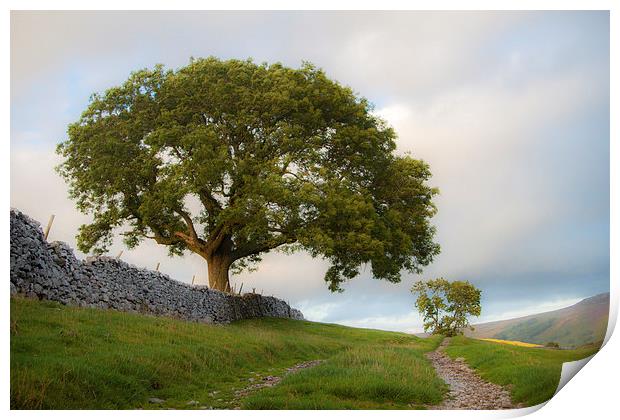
x=580 y=324
x=67 y=358
x=531 y=374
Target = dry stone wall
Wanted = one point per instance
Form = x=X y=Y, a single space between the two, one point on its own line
x=51 y=271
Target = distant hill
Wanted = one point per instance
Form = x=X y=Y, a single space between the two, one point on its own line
x=582 y=323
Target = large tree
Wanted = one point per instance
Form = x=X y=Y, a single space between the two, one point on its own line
x=230 y=159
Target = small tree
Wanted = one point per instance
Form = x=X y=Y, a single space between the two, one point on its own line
x=230 y=159
x=445 y=306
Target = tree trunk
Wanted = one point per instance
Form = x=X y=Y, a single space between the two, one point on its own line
x=218 y=266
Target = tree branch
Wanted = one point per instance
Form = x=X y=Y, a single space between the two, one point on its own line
x=209 y=202
x=215 y=238
x=243 y=252
x=163 y=240
x=193 y=236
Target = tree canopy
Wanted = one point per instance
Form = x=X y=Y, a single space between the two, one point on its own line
x=445 y=306
x=230 y=159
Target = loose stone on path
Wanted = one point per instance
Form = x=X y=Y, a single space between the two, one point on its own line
x=468 y=391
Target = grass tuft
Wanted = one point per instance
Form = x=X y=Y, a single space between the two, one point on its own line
x=369 y=377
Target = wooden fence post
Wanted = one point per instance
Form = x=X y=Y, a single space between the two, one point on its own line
x=193 y=278
x=241 y=288
x=119 y=254
x=157 y=268
x=49 y=226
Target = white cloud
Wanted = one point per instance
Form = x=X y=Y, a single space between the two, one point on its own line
x=409 y=323
x=314 y=312
x=479 y=141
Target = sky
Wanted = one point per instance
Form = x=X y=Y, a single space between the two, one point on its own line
x=510 y=109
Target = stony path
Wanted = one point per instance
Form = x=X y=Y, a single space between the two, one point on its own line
x=269 y=381
x=468 y=391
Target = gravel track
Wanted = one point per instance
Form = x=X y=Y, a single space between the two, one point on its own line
x=468 y=391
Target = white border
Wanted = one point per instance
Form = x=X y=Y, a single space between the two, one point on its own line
x=591 y=394
x=313 y=5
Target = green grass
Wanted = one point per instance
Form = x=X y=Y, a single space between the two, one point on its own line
x=531 y=374
x=370 y=377
x=69 y=358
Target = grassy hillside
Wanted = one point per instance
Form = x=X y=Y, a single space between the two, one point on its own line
x=579 y=324
x=531 y=374
x=514 y=343
x=65 y=357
